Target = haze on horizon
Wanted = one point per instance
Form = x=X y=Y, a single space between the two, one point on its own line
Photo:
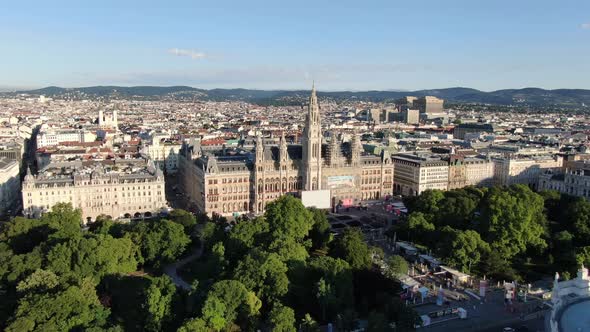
x=373 y=45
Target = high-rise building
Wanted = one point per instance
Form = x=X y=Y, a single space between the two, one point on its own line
x=429 y=105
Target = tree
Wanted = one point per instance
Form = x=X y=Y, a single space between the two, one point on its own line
x=185 y=218
x=40 y=281
x=102 y=226
x=160 y=241
x=308 y=324
x=351 y=247
x=578 y=215
x=288 y=221
x=214 y=313
x=320 y=233
x=513 y=220
x=281 y=318
x=428 y=201
x=457 y=208
x=65 y=220
x=22 y=235
x=216 y=262
x=195 y=325
x=92 y=256
x=553 y=202
x=332 y=284
x=420 y=229
x=467 y=250
x=15 y=267
x=583 y=256
x=564 y=252
x=238 y=302
x=74 y=307
x=325 y=295
x=496 y=266
x=158 y=302
x=211 y=233
x=244 y=236
x=264 y=273
x=397 y=266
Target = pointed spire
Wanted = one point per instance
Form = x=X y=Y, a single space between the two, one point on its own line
x=29 y=176
x=283 y=147
x=259 y=148
x=313 y=99
x=283 y=141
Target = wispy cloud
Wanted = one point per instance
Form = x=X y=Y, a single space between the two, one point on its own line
x=188 y=53
x=585 y=26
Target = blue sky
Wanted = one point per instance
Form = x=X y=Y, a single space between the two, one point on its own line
x=358 y=45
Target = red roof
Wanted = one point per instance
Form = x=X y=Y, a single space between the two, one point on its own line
x=213 y=142
x=84 y=144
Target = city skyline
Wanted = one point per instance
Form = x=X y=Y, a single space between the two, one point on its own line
x=263 y=45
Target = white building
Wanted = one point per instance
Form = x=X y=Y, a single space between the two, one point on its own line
x=9 y=185
x=52 y=137
x=106 y=121
x=524 y=169
x=479 y=172
x=164 y=152
x=415 y=173
x=123 y=188
x=570 y=300
x=574 y=181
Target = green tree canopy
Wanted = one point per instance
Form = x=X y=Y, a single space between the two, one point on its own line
x=396 y=266
x=231 y=300
x=332 y=284
x=513 y=220
x=288 y=220
x=74 y=307
x=158 y=302
x=39 y=281
x=281 y=318
x=160 y=241
x=351 y=247
x=92 y=256
x=578 y=215
x=467 y=250
x=185 y=218
x=264 y=273
x=320 y=233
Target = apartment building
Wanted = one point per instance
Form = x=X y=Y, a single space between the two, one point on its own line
x=121 y=188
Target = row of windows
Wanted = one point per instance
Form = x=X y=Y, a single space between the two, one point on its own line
x=372 y=172
x=371 y=181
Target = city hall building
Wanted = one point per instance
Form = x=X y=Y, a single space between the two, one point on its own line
x=246 y=180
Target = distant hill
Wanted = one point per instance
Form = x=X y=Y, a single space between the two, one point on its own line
x=526 y=96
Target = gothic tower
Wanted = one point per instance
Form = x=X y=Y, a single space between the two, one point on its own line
x=259 y=192
x=312 y=145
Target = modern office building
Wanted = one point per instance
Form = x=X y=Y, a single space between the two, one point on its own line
x=429 y=105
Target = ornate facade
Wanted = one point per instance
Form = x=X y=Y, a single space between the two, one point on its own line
x=242 y=180
x=120 y=189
